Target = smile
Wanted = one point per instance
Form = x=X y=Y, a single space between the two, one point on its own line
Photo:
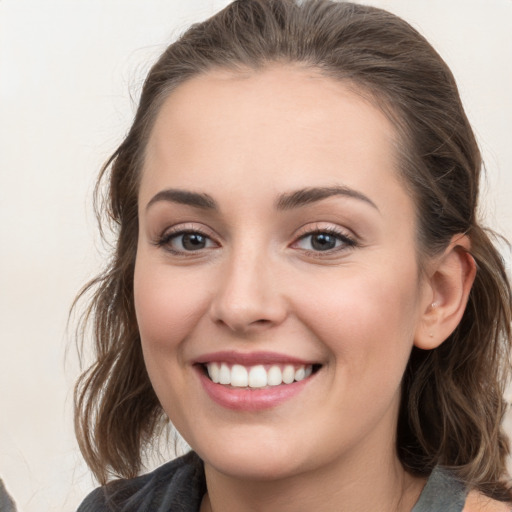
x=258 y=376
x=253 y=382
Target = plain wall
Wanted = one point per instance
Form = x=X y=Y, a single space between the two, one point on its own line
x=68 y=70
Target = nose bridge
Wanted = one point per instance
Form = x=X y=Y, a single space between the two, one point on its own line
x=247 y=294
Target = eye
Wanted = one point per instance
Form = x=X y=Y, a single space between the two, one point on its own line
x=186 y=241
x=324 y=241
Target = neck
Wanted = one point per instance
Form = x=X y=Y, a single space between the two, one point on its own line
x=374 y=484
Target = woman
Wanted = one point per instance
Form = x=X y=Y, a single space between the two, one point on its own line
x=300 y=283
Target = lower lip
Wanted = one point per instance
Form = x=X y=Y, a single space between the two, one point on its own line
x=243 y=399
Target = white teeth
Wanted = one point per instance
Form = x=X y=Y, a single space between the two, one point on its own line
x=288 y=374
x=257 y=376
x=239 y=376
x=213 y=372
x=300 y=374
x=274 y=376
x=224 y=374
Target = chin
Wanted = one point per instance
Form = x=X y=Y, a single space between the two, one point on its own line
x=259 y=461
x=249 y=468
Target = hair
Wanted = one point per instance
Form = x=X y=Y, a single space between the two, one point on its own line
x=452 y=397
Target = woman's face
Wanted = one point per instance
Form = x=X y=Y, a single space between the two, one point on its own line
x=276 y=244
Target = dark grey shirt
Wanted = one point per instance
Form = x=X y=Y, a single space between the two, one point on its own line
x=179 y=486
x=6 y=502
x=443 y=492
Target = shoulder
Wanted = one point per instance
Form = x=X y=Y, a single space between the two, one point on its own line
x=478 y=502
x=178 y=485
x=445 y=491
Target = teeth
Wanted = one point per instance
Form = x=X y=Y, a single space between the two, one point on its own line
x=214 y=372
x=274 y=376
x=224 y=374
x=300 y=374
x=288 y=374
x=257 y=376
x=239 y=376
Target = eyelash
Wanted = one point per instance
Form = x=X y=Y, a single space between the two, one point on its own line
x=165 y=240
x=347 y=242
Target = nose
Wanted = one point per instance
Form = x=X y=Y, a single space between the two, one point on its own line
x=248 y=295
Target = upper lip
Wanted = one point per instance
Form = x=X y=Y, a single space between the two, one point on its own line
x=250 y=358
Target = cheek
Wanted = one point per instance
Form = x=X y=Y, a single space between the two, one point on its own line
x=368 y=318
x=168 y=307
x=167 y=304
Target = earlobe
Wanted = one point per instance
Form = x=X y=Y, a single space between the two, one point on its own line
x=451 y=277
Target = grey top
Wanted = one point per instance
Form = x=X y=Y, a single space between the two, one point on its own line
x=6 y=502
x=443 y=492
x=179 y=486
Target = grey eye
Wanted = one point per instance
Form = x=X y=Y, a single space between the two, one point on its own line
x=189 y=241
x=321 y=241
x=193 y=241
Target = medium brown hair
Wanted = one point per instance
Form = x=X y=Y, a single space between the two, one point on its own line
x=452 y=396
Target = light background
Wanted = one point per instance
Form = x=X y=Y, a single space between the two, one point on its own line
x=68 y=70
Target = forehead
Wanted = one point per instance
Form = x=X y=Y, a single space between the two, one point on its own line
x=284 y=124
x=251 y=103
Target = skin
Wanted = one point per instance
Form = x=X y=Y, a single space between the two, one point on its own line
x=259 y=284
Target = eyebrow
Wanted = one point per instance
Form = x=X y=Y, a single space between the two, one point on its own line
x=203 y=201
x=306 y=196
x=287 y=201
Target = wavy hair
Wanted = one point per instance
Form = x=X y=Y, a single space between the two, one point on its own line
x=452 y=397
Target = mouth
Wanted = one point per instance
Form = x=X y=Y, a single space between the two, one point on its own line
x=257 y=376
x=253 y=382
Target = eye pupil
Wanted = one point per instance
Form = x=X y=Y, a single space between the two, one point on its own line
x=323 y=242
x=193 y=241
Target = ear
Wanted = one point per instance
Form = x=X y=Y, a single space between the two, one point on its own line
x=449 y=280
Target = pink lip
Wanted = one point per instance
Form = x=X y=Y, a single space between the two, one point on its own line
x=250 y=359
x=243 y=399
